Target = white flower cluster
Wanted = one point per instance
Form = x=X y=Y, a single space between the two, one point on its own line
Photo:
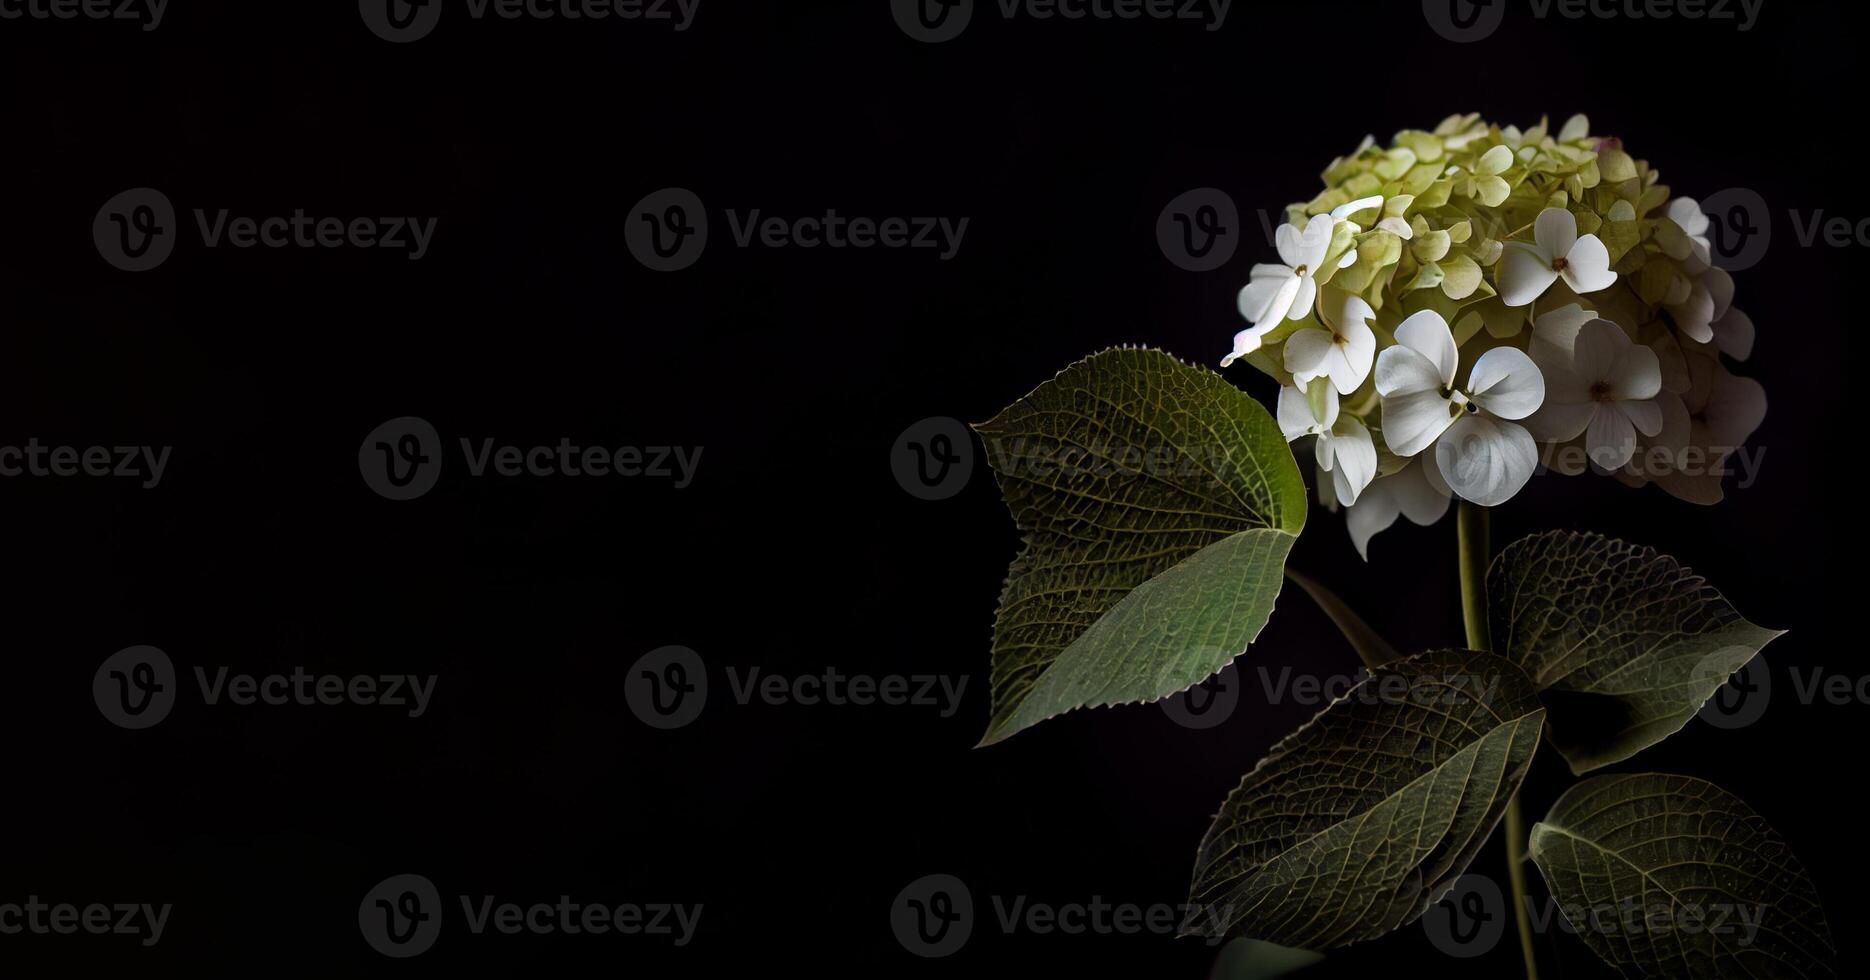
x=1468 y=303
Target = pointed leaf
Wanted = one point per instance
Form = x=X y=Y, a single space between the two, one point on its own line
x=1355 y=824
x=1667 y=876
x=1624 y=643
x=1159 y=502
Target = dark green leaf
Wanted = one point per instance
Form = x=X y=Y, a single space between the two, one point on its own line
x=1355 y=824
x=1667 y=876
x=1624 y=643
x=1158 y=502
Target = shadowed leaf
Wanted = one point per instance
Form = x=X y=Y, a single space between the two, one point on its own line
x=1667 y=876
x=1355 y=824
x=1624 y=643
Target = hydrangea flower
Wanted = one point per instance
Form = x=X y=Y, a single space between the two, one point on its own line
x=1344 y=447
x=1556 y=252
x=1587 y=316
x=1482 y=454
x=1600 y=385
x=1280 y=292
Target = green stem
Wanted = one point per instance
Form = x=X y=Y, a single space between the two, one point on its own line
x=1471 y=533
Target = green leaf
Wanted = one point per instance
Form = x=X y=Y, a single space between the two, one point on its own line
x=1667 y=876
x=1624 y=643
x=1355 y=824
x=1158 y=503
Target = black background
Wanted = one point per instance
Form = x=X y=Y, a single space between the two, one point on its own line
x=794 y=549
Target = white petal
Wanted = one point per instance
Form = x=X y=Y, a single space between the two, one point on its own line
x=1413 y=420
x=1424 y=495
x=1374 y=512
x=1555 y=231
x=1280 y=304
x=1427 y=334
x=1305 y=354
x=1351 y=360
x=1302 y=299
x=1344 y=211
x=1610 y=439
x=1736 y=407
x=1525 y=274
x=1595 y=351
x=1636 y=374
x=1646 y=415
x=1688 y=216
x=1355 y=456
x=1558 y=329
x=1287 y=239
x=1485 y=460
x=1314 y=243
x=1245 y=342
x=1557 y=421
x=1721 y=289
x=1507 y=383
x=1258 y=294
x=1733 y=334
x=1695 y=315
x=1397 y=227
x=1587 y=266
x=1295 y=414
